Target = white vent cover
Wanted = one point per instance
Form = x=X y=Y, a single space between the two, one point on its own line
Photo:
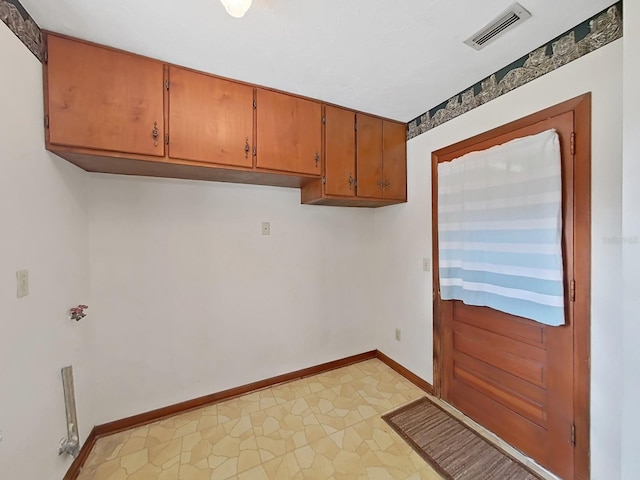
x=511 y=17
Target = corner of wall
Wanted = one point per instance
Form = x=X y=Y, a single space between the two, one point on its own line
x=43 y=204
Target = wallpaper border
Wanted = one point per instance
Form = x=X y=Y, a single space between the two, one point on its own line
x=596 y=32
x=20 y=22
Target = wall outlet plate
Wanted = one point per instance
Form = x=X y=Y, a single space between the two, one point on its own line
x=266 y=228
x=398 y=334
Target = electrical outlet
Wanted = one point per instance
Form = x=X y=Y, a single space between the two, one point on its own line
x=22 y=281
x=266 y=228
x=426 y=264
x=398 y=334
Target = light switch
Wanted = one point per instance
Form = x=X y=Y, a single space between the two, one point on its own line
x=22 y=280
x=426 y=264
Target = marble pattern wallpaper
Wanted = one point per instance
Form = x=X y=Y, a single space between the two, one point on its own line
x=582 y=39
x=20 y=22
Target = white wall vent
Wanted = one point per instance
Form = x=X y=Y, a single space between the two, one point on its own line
x=514 y=15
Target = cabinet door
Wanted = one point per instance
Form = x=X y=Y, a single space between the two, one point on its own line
x=394 y=159
x=369 y=156
x=103 y=99
x=289 y=132
x=340 y=152
x=210 y=119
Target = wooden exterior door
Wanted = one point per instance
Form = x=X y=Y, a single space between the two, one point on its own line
x=210 y=119
x=394 y=160
x=369 y=156
x=289 y=133
x=340 y=152
x=525 y=381
x=103 y=99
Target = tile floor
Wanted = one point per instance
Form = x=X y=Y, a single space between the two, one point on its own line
x=323 y=427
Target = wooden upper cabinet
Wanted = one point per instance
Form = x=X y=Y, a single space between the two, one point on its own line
x=379 y=157
x=115 y=112
x=289 y=133
x=102 y=99
x=369 y=156
x=394 y=159
x=340 y=152
x=210 y=119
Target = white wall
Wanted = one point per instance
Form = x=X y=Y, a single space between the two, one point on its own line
x=631 y=234
x=45 y=230
x=189 y=298
x=404 y=235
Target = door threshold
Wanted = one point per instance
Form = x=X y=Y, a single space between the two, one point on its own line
x=495 y=440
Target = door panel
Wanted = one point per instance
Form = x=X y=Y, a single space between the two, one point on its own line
x=520 y=328
x=210 y=119
x=513 y=375
x=369 y=156
x=499 y=350
x=519 y=430
x=104 y=99
x=289 y=132
x=511 y=391
x=340 y=152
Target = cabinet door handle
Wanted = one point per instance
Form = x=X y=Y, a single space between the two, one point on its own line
x=379 y=184
x=387 y=184
x=155 y=133
x=317 y=159
x=247 y=148
x=351 y=181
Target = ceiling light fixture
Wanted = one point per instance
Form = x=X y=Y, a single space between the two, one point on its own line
x=236 y=8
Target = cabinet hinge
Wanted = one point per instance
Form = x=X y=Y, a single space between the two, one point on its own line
x=573 y=434
x=572 y=290
x=324 y=180
x=46 y=121
x=166 y=84
x=573 y=143
x=255 y=103
x=324 y=120
x=166 y=139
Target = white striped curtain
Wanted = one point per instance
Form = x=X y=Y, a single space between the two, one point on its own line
x=500 y=228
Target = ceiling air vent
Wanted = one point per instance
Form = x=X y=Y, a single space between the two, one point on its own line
x=513 y=16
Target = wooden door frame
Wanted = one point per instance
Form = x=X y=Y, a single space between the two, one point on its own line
x=581 y=106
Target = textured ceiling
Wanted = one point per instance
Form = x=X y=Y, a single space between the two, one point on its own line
x=394 y=58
